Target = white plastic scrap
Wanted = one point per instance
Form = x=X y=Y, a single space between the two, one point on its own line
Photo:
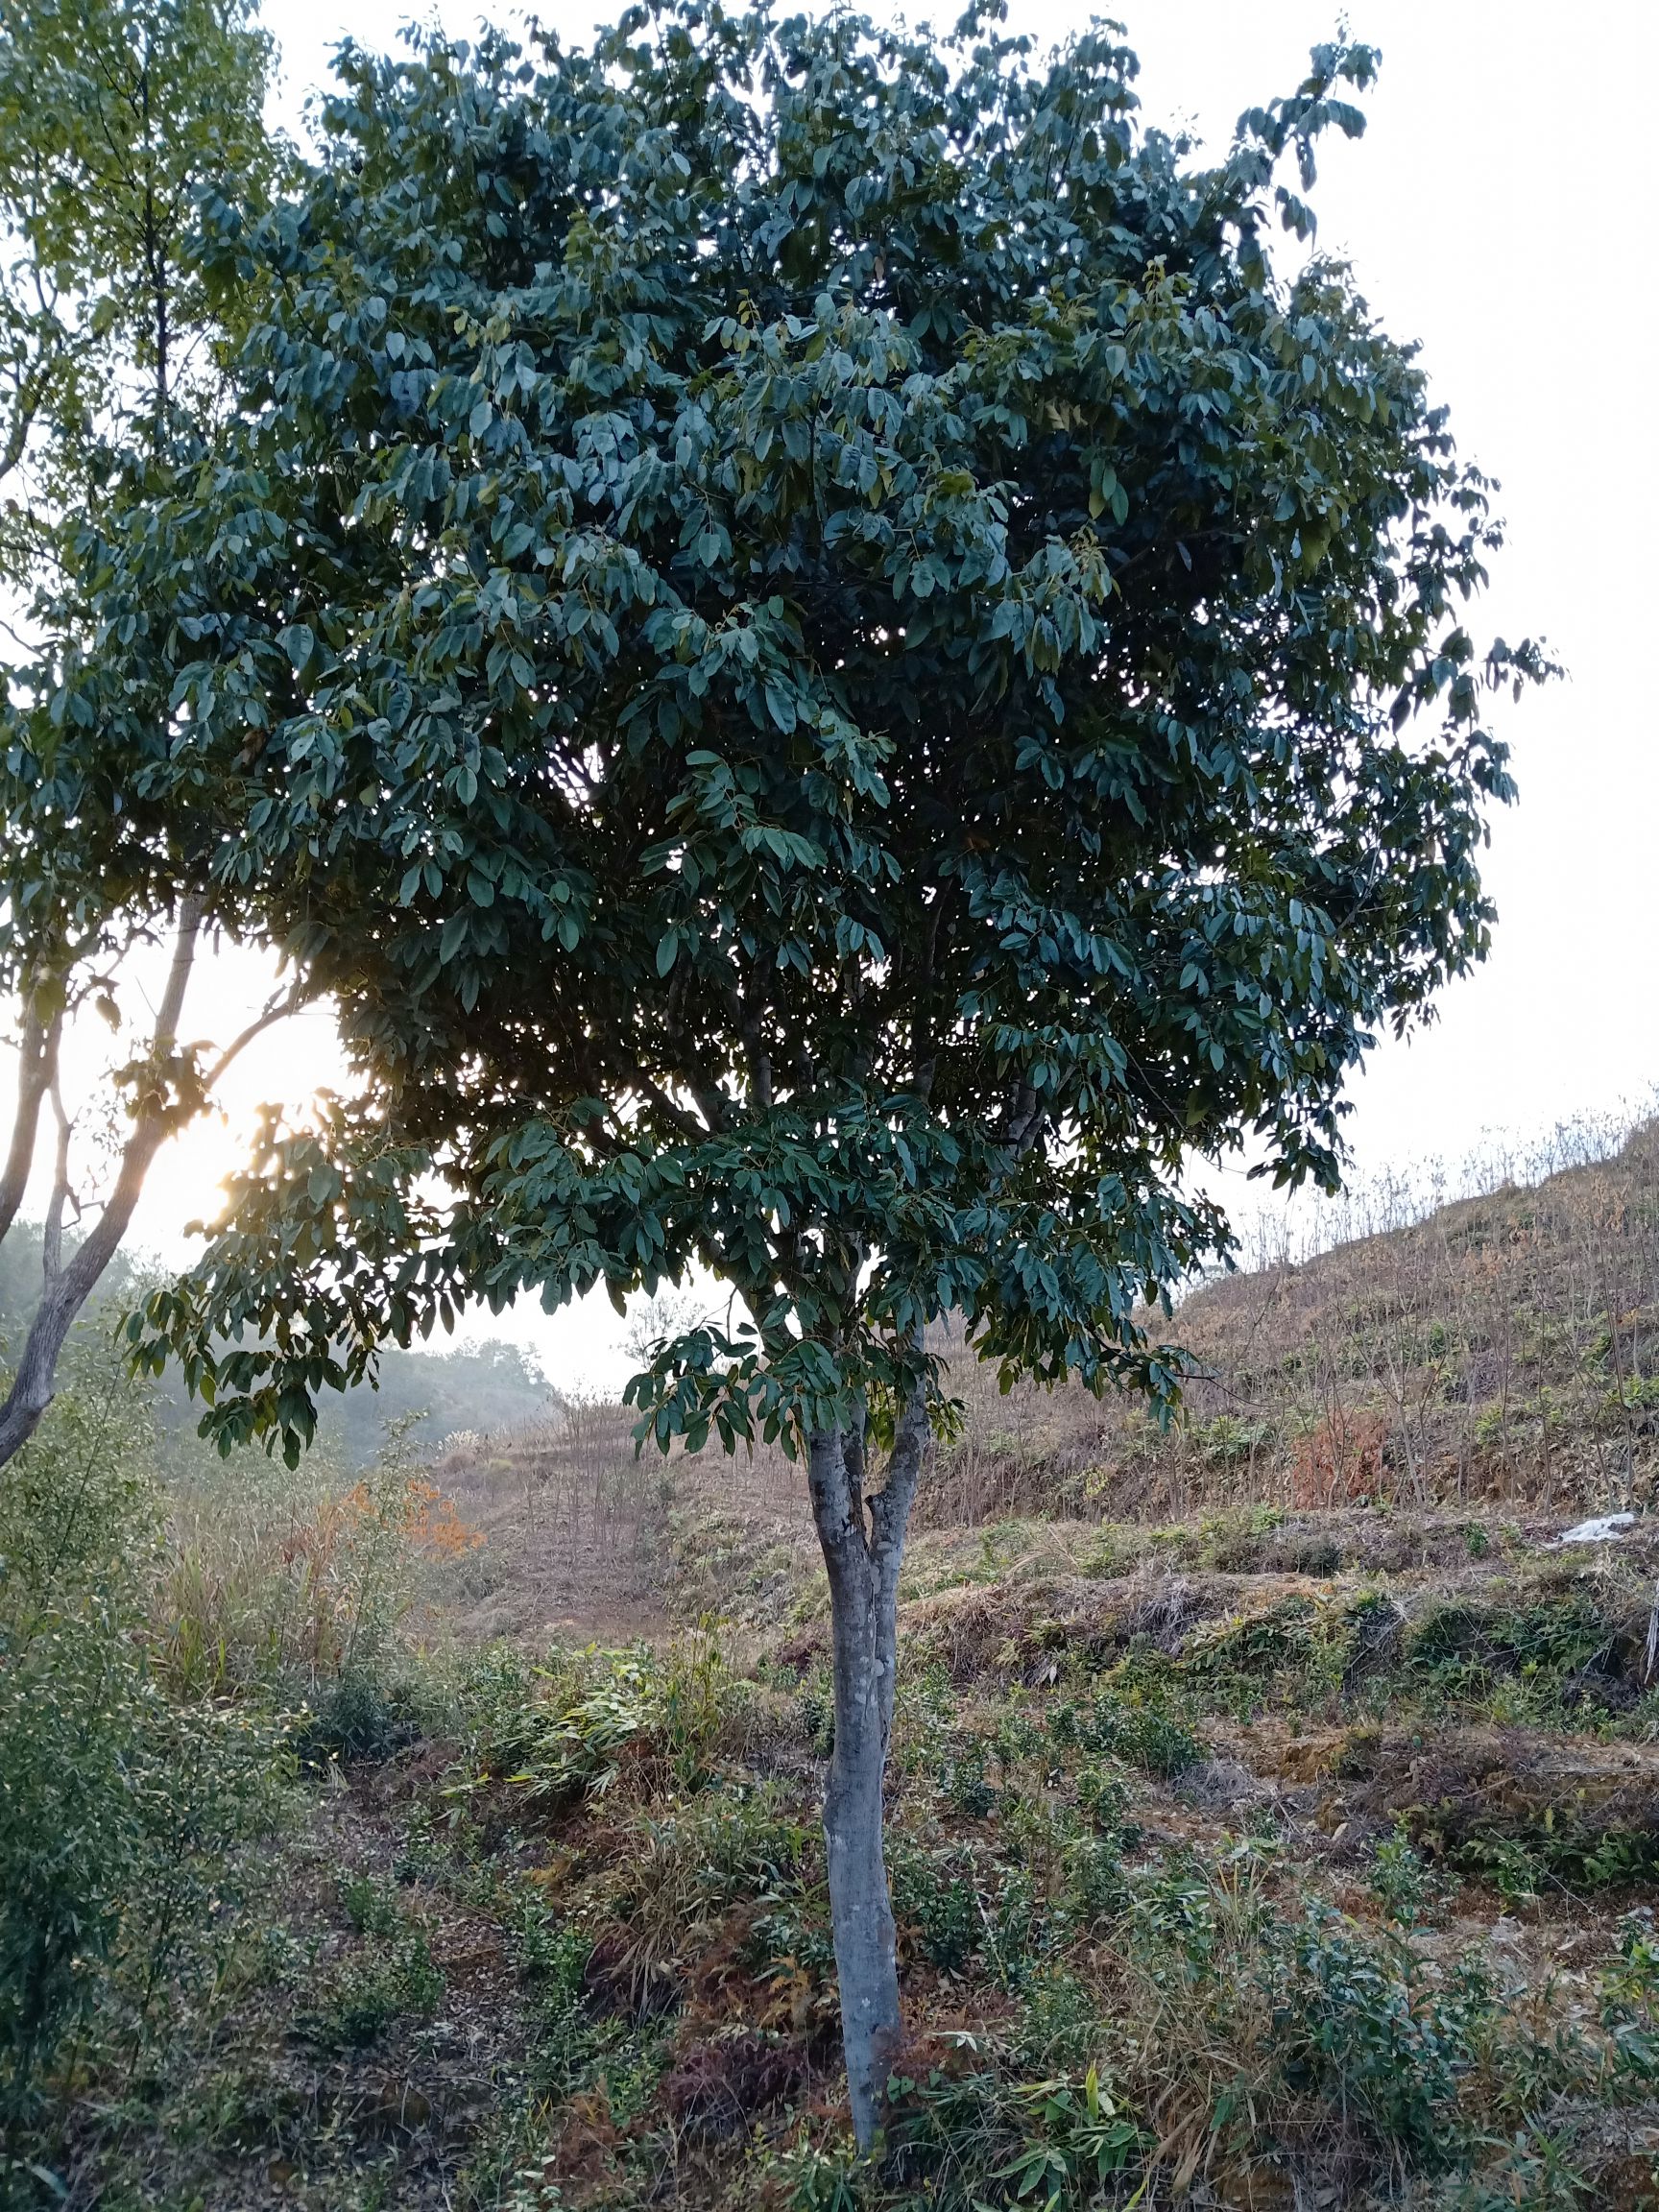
x=1607 y=1530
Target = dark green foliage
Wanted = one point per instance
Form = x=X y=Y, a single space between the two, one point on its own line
x=965 y=1783
x=371 y=1989
x=1097 y=1889
x=825 y=660
x=371 y=1908
x=936 y=1893
x=980 y=2139
x=1144 y=1734
x=357 y=1717
x=1550 y=1635
x=1388 y=2040
x=1400 y=1881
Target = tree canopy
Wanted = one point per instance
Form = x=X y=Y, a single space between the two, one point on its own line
x=836 y=675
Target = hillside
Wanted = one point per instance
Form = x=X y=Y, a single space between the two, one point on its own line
x=1274 y=1808
x=1502 y=1352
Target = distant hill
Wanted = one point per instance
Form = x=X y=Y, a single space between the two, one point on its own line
x=477 y=1389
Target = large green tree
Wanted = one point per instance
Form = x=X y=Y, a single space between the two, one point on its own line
x=839 y=679
x=119 y=121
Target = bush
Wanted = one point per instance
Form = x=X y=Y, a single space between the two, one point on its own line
x=1369 y=2028
x=293 y=1585
x=981 y=2140
x=1629 y=1990
x=935 y=1895
x=1144 y=1736
x=607 y=1711
x=369 y=1990
x=118 y=1803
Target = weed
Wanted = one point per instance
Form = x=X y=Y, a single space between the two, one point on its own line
x=372 y=1908
x=976 y=2139
x=369 y=1990
x=1143 y=1735
x=1400 y=1882
x=1389 y=2043
x=935 y=1894
x=819 y=2178
x=1060 y=2026
x=962 y=1780
x=1628 y=1990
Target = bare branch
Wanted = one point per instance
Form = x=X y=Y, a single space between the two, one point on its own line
x=277 y=1010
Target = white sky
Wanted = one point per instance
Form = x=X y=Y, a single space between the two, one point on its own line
x=1501 y=209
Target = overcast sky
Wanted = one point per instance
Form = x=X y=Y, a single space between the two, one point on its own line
x=1500 y=208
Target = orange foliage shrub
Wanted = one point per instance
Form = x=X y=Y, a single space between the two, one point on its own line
x=1341 y=1458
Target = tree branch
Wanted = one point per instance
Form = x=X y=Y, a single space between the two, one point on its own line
x=277 y=1010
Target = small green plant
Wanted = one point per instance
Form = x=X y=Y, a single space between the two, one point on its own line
x=370 y=1906
x=1507 y=1864
x=1399 y=1879
x=819 y=2178
x=1226 y=1441
x=1059 y=2027
x=1146 y=1735
x=1076 y=2140
x=371 y=1990
x=935 y=1893
x=962 y=1780
x=1628 y=1990
x=983 y=2141
x=1369 y=2024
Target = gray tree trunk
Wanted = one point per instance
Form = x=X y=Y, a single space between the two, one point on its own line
x=862 y=1538
x=65 y=1288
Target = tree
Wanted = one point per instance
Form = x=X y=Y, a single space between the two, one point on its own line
x=839 y=680
x=117 y=117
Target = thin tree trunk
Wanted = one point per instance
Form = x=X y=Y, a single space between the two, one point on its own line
x=66 y=1288
x=36 y=1071
x=863 y=1543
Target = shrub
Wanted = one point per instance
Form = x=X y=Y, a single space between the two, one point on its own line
x=607 y=1711
x=295 y=1584
x=117 y=1802
x=1368 y=2026
x=371 y=1989
x=981 y=2140
x=1629 y=1993
x=934 y=1893
x=1144 y=1736
x=963 y=1779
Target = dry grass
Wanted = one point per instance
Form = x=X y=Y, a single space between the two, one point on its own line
x=1504 y=1348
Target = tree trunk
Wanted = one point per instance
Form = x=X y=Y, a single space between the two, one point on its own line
x=863 y=1543
x=65 y=1288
